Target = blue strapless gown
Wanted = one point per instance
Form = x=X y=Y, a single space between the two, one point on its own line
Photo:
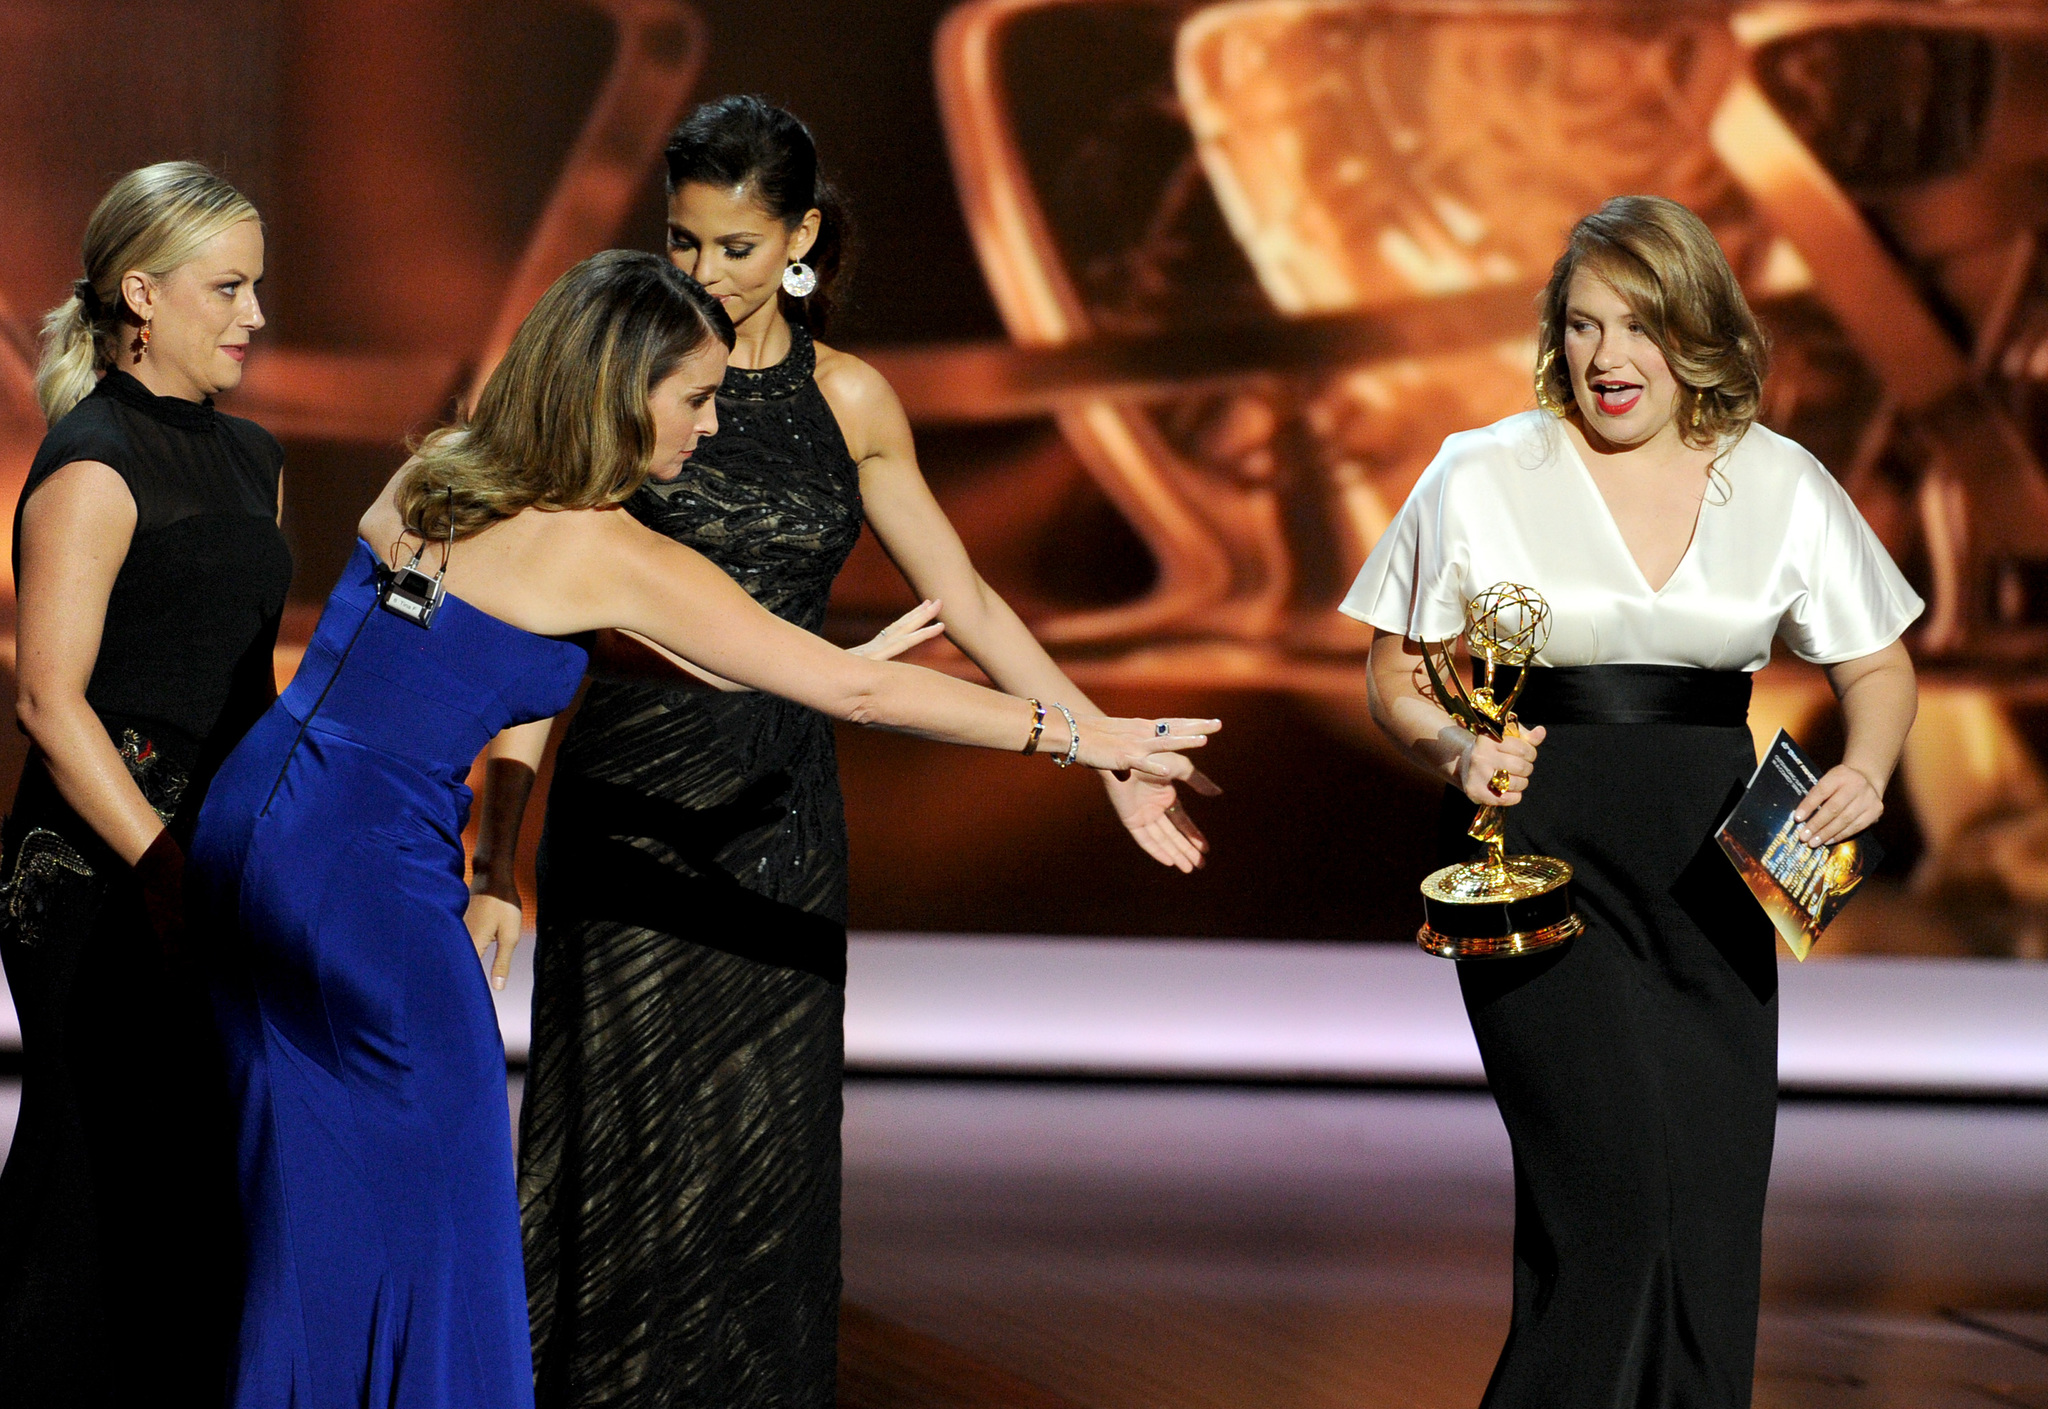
x=375 y=1145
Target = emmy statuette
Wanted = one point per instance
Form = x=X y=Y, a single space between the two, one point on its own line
x=1499 y=906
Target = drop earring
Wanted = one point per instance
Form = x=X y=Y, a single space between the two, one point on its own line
x=799 y=280
x=1545 y=396
x=142 y=339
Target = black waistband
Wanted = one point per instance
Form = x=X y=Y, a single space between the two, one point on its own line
x=1631 y=694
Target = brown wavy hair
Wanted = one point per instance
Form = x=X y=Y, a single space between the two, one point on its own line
x=563 y=422
x=1668 y=268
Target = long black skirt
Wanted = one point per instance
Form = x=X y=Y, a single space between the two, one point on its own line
x=679 y=1155
x=1635 y=1068
x=120 y=1241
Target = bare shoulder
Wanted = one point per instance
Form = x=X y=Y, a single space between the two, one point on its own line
x=869 y=413
x=380 y=525
x=580 y=551
x=851 y=385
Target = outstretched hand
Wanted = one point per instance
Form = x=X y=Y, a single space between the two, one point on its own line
x=1151 y=747
x=1840 y=805
x=1152 y=810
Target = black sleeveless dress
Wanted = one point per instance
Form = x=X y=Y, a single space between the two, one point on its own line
x=679 y=1154
x=119 y=1247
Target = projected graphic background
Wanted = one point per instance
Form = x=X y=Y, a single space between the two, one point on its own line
x=1181 y=298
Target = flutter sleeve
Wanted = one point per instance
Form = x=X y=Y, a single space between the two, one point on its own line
x=1850 y=599
x=1412 y=583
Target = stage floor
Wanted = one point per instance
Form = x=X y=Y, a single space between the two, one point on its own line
x=1038 y=1245
x=1126 y=1247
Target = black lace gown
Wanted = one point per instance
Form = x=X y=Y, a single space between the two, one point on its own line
x=679 y=1153
x=119 y=1243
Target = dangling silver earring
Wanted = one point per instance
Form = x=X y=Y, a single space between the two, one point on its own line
x=799 y=280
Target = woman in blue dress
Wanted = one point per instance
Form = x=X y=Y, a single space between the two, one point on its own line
x=374 y=1143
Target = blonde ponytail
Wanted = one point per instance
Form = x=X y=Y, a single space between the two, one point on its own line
x=152 y=221
x=71 y=358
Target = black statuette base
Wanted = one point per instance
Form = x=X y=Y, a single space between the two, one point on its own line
x=1498 y=929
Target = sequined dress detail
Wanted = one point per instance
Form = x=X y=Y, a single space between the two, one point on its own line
x=679 y=1164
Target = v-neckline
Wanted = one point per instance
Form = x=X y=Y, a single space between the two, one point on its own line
x=1699 y=516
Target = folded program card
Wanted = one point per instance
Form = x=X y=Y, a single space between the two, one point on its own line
x=1802 y=888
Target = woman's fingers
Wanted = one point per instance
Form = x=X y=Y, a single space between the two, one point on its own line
x=501 y=967
x=1842 y=804
x=1201 y=783
x=914 y=627
x=897 y=645
x=1495 y=772
x=1167 y=846
x=1168 y=767
x=1180 y=733
x=927 y=610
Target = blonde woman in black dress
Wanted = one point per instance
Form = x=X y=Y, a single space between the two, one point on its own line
x=679 y=1159
x=1675 y=540
x=151 y=576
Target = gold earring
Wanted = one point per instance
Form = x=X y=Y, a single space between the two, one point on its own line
x=1545 y=398
x=142 y=339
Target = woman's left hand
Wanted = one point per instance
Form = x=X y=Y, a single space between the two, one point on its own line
x=1841 y=804
x=1151 y=809
x=494 y=918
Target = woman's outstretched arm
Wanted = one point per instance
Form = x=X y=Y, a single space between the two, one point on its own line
x=923 y=544
x=676 y=598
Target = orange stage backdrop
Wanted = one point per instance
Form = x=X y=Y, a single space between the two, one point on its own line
x=1182 y=298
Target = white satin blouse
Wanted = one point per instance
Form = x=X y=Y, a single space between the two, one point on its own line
x=1779 y=552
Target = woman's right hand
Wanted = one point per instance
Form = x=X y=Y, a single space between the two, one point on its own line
x=1484 y=760
x=1136 y=745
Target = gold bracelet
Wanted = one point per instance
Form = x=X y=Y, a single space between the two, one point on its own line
x=1037 y=728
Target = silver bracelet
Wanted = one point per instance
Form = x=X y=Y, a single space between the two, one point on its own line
x=1073 y=737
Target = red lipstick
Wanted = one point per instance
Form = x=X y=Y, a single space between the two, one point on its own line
x=1615 y=398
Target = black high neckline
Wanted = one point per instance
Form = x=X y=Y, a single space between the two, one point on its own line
x=171 y=410
x=780 y=382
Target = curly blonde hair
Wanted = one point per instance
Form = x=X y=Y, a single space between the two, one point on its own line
x=1666 y=265
x=563 y=422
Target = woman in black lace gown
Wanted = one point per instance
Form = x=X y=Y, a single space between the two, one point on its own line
x=679 y=1163
x=151 y=575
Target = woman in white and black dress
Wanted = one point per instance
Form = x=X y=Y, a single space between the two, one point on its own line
x=1636 y=1066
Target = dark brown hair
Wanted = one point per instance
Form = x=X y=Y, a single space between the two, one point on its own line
x=742 y=141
